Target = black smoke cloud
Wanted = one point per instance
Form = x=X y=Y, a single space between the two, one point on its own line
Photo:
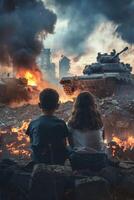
x=84 y=15
x=21 y=21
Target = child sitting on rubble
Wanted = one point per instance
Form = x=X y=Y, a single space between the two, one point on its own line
x=87 y=134
x=48 y=133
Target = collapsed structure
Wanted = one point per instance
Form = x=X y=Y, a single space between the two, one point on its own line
x=47 y=66
x=64 y=66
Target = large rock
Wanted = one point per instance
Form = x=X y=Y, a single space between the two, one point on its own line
x=126 y=186
x=92 y=188
x=49 y=182
x=14 y=181
x=121 y=180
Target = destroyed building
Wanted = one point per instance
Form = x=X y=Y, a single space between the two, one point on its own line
x=64 y=66
x=48 y=68
x=7 y=72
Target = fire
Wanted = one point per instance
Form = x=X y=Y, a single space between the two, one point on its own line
x=122 y=148
x=18 y=142
x=30 y=76
x=128 y=143
x=65 y=98
x=21 y=131
x=35 y=78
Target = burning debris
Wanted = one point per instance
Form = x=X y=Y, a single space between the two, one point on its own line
x=13 y=90
x=23 y=26
x=117 y=116
x=16 y=143
x=20 y=46
x=122 y=148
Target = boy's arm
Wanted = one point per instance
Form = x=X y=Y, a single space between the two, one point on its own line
x=67 y=135
x=70 y=139
x=103 y=134
x=28 y=130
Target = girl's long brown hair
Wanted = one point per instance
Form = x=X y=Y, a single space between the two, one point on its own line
x=85 y=115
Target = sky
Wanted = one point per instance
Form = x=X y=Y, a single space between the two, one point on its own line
x=78 y=29
x=86 y=27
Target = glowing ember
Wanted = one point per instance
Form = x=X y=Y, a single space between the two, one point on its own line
x=21 y=132
x=65 y=98
x=128 y=143
x=122 y=148
x=18 y=142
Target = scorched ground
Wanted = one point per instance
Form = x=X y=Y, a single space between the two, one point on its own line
x=117 y=114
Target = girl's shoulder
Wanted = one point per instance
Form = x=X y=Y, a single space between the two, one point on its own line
x=86 y=130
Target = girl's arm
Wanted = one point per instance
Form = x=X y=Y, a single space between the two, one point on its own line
x=103 y=134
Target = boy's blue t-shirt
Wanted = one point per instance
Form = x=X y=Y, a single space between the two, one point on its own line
x=47 y=136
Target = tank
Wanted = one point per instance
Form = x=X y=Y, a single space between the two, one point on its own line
x=104 y=78
x=15 y=90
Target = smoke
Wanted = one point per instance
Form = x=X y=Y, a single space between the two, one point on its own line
x=21 y=23
x=85 y=15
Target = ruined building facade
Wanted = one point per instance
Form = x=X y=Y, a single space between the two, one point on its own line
x=47 y=67
x=64 y=66
x=7 y=72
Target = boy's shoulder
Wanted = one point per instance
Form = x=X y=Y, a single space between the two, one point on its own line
x=43 y=118
x=34 y=122
x=59 y=119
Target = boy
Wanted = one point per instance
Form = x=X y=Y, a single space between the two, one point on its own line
x=48 y=133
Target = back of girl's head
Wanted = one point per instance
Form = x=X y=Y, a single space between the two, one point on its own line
x=85 y=115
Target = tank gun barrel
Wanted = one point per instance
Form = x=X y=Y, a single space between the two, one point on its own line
x=125 y=49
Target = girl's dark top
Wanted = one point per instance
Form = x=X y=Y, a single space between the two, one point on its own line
x=47 y=136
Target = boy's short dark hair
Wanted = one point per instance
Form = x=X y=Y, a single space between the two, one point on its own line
x=49 y=99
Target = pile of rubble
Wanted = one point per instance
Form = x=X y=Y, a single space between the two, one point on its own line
x=117 y=114
x=24 y=182
x=40 y=182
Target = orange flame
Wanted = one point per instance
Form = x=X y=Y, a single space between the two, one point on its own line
x=128 y=143
x=19 y=147
x=30 y=76
x=123 y=144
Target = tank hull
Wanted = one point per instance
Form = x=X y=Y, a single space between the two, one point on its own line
x=101 y=85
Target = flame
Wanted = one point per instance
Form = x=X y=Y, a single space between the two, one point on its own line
x=125 y=145
x=128 y=143
x=18 y=144
x=30 y=76
x=34 y=78
x=65 y=98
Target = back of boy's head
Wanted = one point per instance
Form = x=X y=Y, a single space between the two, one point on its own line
x=49 y=99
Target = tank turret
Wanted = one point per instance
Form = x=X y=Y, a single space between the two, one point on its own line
x=113 y=57
x=108 y=63
x=103 y=77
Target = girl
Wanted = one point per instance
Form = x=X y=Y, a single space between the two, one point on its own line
x=87 y=134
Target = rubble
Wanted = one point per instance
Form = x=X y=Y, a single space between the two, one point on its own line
x=117 y=114
x=60 y=182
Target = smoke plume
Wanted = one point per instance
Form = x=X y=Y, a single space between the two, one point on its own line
x=85 y=15
x=21 y=22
